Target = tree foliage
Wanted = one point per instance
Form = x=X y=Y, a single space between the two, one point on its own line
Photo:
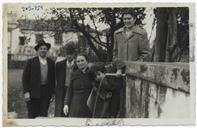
x=111 y=17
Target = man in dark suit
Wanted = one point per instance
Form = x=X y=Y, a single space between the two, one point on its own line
x=63 y=71
x=39 y=81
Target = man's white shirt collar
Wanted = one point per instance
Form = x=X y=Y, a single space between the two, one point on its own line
x=43 y=60
x=69 y=64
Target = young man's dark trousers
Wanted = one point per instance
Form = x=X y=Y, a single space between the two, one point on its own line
x=38 y=107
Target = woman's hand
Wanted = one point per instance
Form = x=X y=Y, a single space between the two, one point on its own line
x=65 y=109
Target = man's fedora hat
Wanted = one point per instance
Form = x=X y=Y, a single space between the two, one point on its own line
x=41 y=42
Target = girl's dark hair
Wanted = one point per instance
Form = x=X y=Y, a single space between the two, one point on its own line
x=82 y=54
x=130 y=12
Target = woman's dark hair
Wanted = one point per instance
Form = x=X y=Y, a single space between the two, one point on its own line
x=82 y=54
x=130 y=12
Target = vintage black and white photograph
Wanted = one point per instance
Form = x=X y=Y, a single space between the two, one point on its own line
x=98 y=64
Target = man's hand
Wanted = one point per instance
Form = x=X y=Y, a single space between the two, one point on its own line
x=65 y=109
x=52 y=98
x=27 y=96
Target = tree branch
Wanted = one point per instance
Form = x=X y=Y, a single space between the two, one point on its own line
x=96 y=29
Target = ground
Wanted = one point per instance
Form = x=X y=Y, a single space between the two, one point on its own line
x=16 y=102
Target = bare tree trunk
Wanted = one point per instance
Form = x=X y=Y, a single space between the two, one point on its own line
x=161 y=34
x=172 y=35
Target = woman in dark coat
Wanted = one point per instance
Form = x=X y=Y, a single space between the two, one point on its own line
x=79 y=90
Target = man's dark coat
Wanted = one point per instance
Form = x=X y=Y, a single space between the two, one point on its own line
x=32 y=77
x=60 y=75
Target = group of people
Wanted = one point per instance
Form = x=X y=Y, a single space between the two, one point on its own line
x=81 y=90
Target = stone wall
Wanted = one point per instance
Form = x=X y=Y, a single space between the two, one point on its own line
x=157 y=90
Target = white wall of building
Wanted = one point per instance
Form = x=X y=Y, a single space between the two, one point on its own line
x=48 y=36
x=15 y=40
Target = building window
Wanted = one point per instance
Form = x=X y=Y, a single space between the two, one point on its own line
x=38 y=37
x=22 y=40
x=58 y=38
